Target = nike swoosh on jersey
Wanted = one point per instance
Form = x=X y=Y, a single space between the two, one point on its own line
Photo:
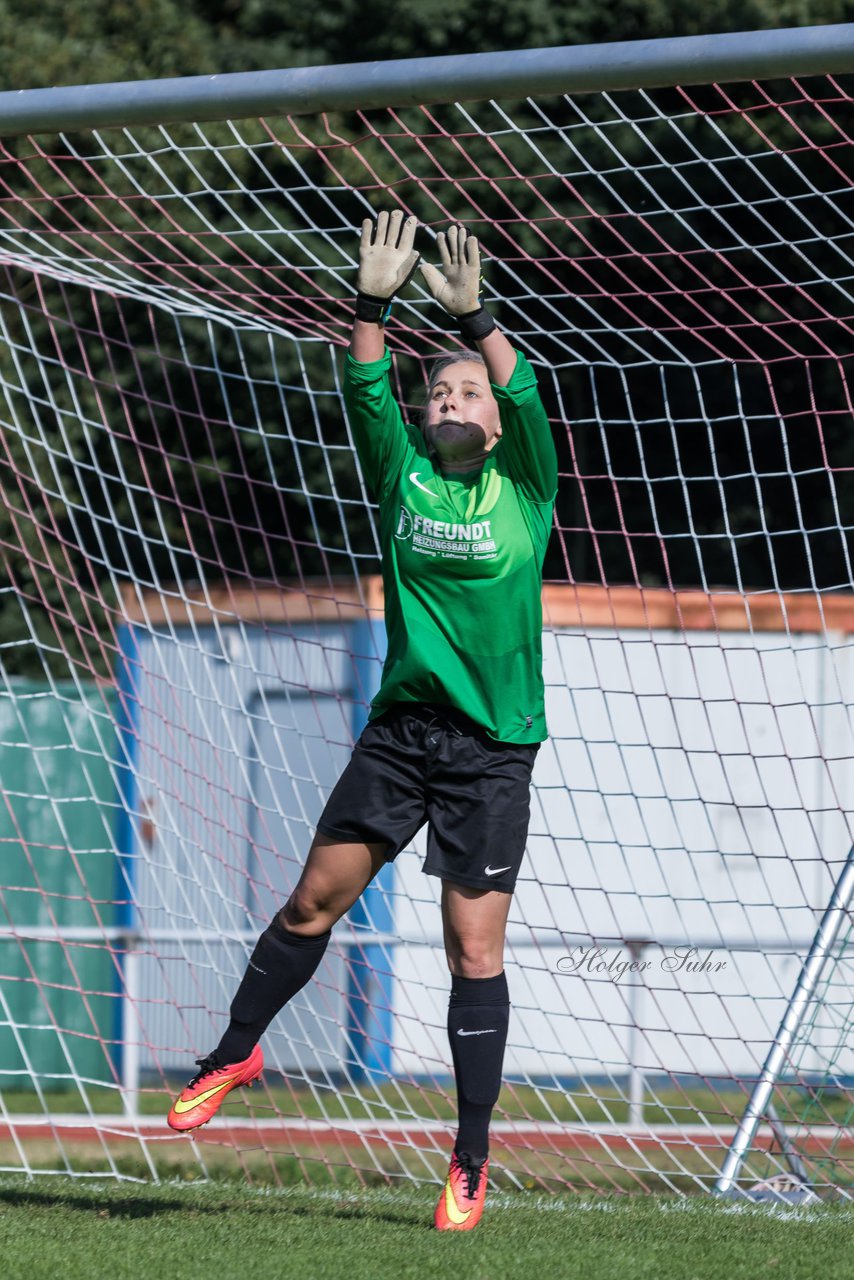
x=487 y=1031
x=457 y=1215
x=413 y=476
x=182 y=1107
x=494 y=871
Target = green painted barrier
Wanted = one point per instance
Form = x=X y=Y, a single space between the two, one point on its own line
x=58 y=812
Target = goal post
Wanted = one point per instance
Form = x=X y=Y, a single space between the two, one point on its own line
x=808 y=991
x=193 y=618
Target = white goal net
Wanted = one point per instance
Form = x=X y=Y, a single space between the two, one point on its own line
x=192 y=629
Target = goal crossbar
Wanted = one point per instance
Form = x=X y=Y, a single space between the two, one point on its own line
x=475 y=77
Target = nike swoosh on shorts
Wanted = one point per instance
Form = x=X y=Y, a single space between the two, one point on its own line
x=494 y=871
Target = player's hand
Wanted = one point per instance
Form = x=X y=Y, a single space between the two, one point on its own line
x=387 y=257
x=458 y=289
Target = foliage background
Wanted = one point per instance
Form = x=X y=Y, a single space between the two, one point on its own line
x=180 y=493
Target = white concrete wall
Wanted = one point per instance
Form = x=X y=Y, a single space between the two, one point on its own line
x=695 y=791
x=241 y=734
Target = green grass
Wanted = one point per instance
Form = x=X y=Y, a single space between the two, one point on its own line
x=673 y=1167
x=598 y=1104
x=93 y=1230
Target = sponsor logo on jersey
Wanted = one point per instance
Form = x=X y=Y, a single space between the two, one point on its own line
x=469 y=538
x=451 y=538
x=404 y=524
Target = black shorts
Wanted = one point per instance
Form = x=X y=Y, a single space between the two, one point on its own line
x=418 y=763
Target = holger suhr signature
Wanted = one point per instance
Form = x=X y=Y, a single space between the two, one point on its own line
x=601 y=962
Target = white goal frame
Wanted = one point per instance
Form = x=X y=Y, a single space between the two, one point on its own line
x=477 y=77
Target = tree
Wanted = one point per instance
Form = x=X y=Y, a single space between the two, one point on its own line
x=71 y=516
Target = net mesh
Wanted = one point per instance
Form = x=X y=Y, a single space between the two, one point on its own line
x=192 y=628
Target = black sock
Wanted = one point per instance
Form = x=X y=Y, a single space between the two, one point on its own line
x=278 y=968
x=478 y=1014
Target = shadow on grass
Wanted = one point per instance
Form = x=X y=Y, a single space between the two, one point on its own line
x=145 y=1206
x=108 y=1207
x=367 y=1213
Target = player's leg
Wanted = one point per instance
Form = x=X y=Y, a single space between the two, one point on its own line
x=285 y=957
x=375 y=808
x=474 y=922
x=479 y=811
x=289 y=951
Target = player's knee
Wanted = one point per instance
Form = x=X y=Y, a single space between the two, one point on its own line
x=473 y=958
x=303 y=908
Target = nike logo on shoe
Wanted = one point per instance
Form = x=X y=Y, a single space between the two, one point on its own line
x=489 y=1031
x=494 y=871
x=207 y=1091
x=181 y=1107
x=458 y=1216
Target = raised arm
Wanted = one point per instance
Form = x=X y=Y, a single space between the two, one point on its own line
x=457 y=288
x=387 y=259
x=526 y=442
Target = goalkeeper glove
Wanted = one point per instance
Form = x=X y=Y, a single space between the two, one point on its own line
x=458 y=290
x=387 y=260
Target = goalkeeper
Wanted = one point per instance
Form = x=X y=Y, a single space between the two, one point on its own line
x=466 y=503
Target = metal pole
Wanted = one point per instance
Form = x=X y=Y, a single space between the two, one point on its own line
x=131 y=1030
x=470 y=77
x=370 y=980
x=128 y=667
x=781 y=1137
x=636 y=1083
x=811 y=974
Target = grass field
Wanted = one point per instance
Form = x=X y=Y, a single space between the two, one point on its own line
x=93 y=1230
x=604 y=1165
x=599 y=1104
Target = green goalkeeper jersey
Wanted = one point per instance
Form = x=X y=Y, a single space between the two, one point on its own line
x=462 y=556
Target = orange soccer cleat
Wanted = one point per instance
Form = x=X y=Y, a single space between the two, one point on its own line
x=208 y=1090
x=461 y=1202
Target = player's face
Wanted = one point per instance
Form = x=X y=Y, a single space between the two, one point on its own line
x=462 y=424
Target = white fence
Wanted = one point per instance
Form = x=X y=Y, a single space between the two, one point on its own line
x=692 y=795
